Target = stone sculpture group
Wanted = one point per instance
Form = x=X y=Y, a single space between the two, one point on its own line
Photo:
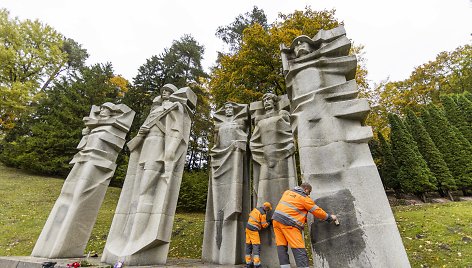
x=320 y=111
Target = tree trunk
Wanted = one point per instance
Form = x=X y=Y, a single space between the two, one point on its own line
x=450 y=195
x=423 y=197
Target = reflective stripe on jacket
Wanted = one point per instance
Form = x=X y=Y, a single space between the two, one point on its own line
x=257 y=219
x=294 y=206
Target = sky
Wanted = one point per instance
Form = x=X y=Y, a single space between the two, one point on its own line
x=397 y=35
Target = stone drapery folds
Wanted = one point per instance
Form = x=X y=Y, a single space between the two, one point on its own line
x=142 y=225
x=334 y=155
x=228 y=202
x=70 y=223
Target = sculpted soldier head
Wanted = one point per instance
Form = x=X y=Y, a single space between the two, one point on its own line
x=229 y=109
x=167 y=90
x=269 y=101
x=105 y=110
x=302 y=45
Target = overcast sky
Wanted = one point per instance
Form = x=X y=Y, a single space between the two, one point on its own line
x=397 y=35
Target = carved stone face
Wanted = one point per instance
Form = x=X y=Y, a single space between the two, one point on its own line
x=166 y=94
x=268 y=103
x=104 y=111
x=229 y=110
x=301 y=49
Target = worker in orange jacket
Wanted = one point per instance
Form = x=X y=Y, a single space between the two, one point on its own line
x=257 y=221
x=289 y=220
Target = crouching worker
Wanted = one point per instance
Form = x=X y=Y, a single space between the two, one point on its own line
x=289 y=220
x=257 y=221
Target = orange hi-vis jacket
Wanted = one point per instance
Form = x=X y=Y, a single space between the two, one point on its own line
x=294 y=207
x=257 y=219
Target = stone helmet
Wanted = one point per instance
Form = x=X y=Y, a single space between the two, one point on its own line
x=169 y=87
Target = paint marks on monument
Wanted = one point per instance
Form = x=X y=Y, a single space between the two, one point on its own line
x=338 y=245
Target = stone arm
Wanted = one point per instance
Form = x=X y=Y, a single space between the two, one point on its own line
x=285 y=116
x=216 y=136
x=145 y=128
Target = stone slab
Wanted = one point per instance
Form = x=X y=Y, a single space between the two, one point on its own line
x=34 y=262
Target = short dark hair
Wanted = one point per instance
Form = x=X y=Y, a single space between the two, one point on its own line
x=306 y=185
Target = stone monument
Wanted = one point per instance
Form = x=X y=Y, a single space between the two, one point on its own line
x=229 y=200
x=274 y=167
x=68 y=227
x=142 y=225
x=334 y=155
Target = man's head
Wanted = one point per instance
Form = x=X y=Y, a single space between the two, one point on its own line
x=306 y=188
x=267 y=206
x=106 y=109
x=167 y=90
x=302 y=45
x=269 y=101
x=229 y=110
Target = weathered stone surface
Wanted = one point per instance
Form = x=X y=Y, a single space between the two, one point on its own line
x=274 y=167
x=228 y=201
x=68 y=227
x=142 y=225
x=334 y=155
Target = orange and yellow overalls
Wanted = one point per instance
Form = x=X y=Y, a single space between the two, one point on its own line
x=289 y=220
x=257 y=221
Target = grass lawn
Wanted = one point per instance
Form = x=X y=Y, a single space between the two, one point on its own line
x=435 y=235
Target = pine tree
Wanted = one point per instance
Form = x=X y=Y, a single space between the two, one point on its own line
x=465 y=105
x=455 y=153
x=468 y=95
x=434 y=159
x=389 y=169
x=414 y=175
x=456 y=116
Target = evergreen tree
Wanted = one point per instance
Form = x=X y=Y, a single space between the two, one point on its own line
x=468 y=95
x=434 y=159
x=232 y=34
x=414 y=175
x=50 y=136
x=455 y=153
x=457 y=117
x=389 y=169
x=465 y=105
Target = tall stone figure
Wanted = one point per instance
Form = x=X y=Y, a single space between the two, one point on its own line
x=274 y=168
x=229 y=201
x=334 y=155
x=142 y=225
x=68 y=227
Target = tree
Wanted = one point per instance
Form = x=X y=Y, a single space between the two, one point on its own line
x=457 y=117
x=389 y=168
x=255 y=67
x=414 y=175
x=232 y=34
x=50 y=135
x=449 y=73
x=431 y=154
x=32 y=55
x=456 y=155
x=465 y=104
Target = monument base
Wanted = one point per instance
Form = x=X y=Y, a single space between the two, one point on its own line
x=35 y=262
